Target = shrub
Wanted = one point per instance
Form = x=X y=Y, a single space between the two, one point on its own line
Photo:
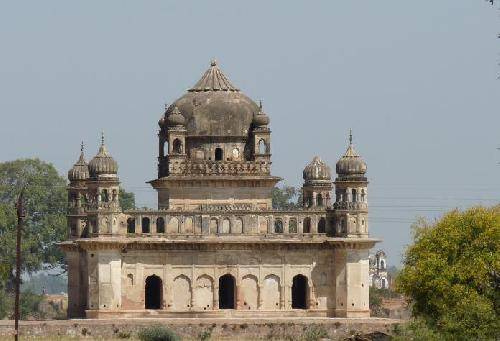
x=157 y=333
x=314 y=333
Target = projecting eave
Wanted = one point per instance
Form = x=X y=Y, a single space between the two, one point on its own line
x=174 y=179
x=217 y=241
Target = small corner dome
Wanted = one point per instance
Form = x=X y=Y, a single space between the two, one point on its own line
x=351 y=163
x=102 y=163
x=80 y=170
x=317 y=169
x=260 y=119
x=175 y=118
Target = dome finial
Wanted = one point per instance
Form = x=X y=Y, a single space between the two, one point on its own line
x=81 y=147
x=350 y=136
x=260 y=105
x=213 y=62
x=102 y=138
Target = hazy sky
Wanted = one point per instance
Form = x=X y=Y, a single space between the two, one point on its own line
x=415 y=80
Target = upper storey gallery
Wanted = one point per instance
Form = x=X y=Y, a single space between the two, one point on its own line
x=215 y=125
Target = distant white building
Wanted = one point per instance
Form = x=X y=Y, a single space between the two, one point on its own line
x=378 y=270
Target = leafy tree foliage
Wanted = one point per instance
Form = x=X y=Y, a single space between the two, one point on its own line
x=127 y=200
x=45 y=223
x=286 y=197
x=452 y=274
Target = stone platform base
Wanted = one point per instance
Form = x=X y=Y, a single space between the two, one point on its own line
x=277 y=328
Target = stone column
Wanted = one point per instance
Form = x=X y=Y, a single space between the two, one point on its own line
x=215 y=304
x=261 y=297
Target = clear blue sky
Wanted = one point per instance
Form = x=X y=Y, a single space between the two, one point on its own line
x=415 y=80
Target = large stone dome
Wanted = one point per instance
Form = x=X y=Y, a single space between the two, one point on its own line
x=214 y=107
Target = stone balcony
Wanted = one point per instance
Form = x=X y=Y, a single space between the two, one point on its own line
x=207 y=167
x=346 y=205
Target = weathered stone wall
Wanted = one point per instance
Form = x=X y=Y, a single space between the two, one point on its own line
x=264 y=279
x=218 y=329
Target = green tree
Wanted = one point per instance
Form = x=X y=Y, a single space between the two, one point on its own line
x=286 y=197
x=127 y=200
x=45 y=223
x=451 y=274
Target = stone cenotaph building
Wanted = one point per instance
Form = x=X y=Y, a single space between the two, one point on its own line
x=215 y=246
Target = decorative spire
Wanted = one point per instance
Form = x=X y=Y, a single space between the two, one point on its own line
x=213 y=80
x=350 y=152
x=260 y=105
x=81 y=147
x=102 y=138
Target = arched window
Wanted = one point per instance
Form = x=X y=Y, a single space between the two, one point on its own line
x=262 y=147
x=363 y=195
x=309 y=201
x=160 y=225
x=319 y=200
x=145 y=225
x=105 y=195
x=354 y=195
x=299 y=292
x=343 y=223
x=278 y=226
x=218 y=154
x=177 y=146
x=130 y=225
x=227 y=286
x=306 y=225
x=292 y=226
x=236 y=154
x=322 y=225
x=153 y=292
x=382 y=264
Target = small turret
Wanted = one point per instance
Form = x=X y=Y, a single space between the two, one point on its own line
x=351 y=204
x=317 y=184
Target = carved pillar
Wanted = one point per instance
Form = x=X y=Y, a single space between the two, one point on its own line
x=216 y=296
x=261 y=297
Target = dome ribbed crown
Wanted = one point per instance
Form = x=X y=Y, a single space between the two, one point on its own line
x=351 y=163
x=213 y=80
x=102 y=163
x=80 y=170
x=317 y=170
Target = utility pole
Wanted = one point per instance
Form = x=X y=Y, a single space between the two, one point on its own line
x=20 y=219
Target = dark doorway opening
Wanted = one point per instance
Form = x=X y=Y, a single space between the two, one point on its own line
x=227 y=287
x=299 y=292
x=153 y=294
x=218 y=154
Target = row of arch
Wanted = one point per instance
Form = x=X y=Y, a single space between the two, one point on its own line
x=220 y=226
x=252 y=297
x=178 y=148
x=351 y=195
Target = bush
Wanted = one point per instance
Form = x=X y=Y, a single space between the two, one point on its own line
x=314 y=333
x=157 y=333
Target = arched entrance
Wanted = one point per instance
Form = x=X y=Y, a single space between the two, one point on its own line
x=218 y=154
x=153 y=292
x=227 y=286
x=299 y=292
